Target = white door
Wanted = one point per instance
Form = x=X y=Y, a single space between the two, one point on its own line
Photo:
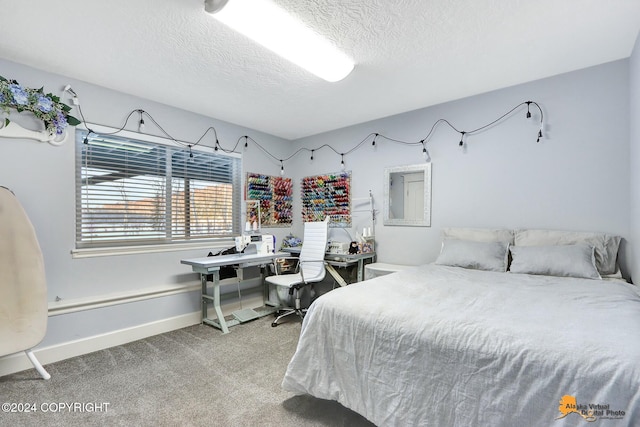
x=414 y=196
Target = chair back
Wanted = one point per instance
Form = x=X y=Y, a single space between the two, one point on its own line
x=314 y=245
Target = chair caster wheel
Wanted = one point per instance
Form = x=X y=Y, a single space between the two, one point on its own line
x=274 y=324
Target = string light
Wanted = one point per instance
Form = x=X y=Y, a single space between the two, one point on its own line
x=375 y=135
x=141 y=122
x=425 y=153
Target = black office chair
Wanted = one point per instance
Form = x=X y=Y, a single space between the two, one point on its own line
x=310 y=268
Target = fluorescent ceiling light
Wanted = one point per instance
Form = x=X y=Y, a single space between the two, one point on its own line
x=272 y=27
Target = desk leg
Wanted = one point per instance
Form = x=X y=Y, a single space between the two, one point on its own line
x=335 y=275
x=360 y=269
x=215 y=299
x=265 y=288
x=266 y=298
x=203 y=282
x=216 y=302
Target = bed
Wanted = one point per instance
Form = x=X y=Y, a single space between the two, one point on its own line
x=449 y=345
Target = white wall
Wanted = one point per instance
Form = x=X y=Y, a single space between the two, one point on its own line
x=634 y=114
x=43 y=178
x=576 y=178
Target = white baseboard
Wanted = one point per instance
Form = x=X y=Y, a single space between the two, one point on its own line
x=251 y=298
x=19 y=361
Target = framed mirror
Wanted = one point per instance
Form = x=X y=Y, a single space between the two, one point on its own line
x=407 y=195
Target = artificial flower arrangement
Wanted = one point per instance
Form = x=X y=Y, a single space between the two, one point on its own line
x=46 y=107
x=291 y=241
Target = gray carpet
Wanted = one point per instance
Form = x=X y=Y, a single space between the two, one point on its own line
x=190 y=377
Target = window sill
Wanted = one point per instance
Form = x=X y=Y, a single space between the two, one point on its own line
x=147 y=249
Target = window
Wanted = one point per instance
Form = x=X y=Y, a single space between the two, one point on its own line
x=131 y=191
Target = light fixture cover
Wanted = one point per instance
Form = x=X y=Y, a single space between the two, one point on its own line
x=272 y=27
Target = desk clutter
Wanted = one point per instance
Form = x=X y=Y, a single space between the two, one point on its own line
x=291 y=241
x=226 y=271
x=255 y=244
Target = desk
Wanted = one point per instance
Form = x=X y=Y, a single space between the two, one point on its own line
x=211 y=265
x=341 y=260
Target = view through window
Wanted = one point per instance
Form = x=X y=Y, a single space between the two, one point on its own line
x=131 y=191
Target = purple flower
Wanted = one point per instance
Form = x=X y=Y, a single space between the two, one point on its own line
x=52 y=113
x=20 y=96
x=45 y=104
x=60 y=122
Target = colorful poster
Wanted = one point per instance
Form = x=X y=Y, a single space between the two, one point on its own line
x=275 y=195
x=327 y=195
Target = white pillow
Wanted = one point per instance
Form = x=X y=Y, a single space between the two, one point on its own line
x=564 y=260
x=479 y=234
x=605 y=245
x=491 y=256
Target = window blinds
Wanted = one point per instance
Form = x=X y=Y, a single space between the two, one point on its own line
x=133 y=192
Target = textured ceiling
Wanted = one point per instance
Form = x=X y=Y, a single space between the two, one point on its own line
x=409 y=53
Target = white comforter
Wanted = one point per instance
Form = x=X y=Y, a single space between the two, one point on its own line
x=445 y=346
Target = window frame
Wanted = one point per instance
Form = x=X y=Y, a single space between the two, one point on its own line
x=83 y=249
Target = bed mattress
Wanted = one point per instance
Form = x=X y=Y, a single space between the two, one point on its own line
x=446 y=346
